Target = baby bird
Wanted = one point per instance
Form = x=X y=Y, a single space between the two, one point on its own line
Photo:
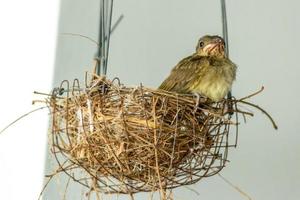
x=207 y=72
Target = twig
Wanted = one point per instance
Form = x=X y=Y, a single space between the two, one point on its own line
x=262 y=110
x=21 y=117
x=251 y=95
x=235 y=187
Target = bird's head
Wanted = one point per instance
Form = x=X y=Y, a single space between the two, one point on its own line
x=211 y=46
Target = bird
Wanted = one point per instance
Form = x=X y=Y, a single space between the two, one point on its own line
x=207 y=72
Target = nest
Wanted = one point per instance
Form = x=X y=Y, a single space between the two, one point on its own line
x=126 y=140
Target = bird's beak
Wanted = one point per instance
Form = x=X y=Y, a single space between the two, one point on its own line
x=216 y=43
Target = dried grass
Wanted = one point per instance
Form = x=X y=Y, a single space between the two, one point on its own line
x=135 y=139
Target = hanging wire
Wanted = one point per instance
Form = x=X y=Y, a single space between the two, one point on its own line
x=108 y=35
x=106 y=8
x=224 y=26
x=102 y=34
x=106 y=28
x=225 y=37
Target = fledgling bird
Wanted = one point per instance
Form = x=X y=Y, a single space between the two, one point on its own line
x=207 y=72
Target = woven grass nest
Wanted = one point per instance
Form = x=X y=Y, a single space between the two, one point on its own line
x=126 y=140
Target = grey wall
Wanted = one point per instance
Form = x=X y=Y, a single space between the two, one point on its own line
x=156 y=34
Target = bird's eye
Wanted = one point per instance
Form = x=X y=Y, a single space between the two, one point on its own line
x=201 y=44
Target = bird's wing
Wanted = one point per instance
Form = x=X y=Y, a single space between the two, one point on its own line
x=183 y=74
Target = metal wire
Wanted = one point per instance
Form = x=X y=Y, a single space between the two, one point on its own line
x=224 y=26
x=225 y=37
x=106 y=8
x=108 y=35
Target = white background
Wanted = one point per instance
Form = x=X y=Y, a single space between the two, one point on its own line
x=153 y=37
x=27 y=47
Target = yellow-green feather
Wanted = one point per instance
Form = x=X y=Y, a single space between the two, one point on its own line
x=209 y=76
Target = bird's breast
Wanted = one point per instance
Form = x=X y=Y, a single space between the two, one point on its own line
x=216 y=82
